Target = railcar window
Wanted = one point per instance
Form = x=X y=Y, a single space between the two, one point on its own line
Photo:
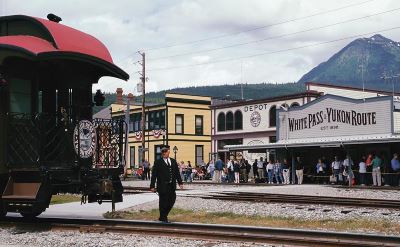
x=20 y=96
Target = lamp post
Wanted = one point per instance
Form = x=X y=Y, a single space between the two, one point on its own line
x=175 y=149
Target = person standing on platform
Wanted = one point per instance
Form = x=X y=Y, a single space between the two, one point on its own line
x=255 y=169
x=299 y=170
x=248 y=169
x=146 y=170
x=211 y=169
x=376 y=170
x=347 y=170
x=395 y=164
x=243 y=171
x=362 y=170
x=270 y=171
x=219 y=166
x=260 y=169
x=189 y=172
x=286 y=172
x=336 y=166
x=182 y=170
x=230 y=171
x=320 y=170
x=236 y=170
x=165 y=173
x=278 y=172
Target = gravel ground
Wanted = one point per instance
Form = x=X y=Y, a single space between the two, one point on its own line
x=305 y=189
x=17 y=238
x=307 y=212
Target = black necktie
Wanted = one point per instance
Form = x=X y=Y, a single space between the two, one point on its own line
x=168 y=162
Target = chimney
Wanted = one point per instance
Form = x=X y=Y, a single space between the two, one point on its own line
x=119 y=96
x=130 y=98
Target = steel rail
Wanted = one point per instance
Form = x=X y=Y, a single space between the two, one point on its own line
x=215 y=232
x=300 y=199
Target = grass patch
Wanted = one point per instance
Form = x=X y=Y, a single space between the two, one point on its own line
x=183 y=215
x=64 y=198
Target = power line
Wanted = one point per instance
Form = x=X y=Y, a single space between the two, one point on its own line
x=258 y=28
x=273 y=52
x=275 y=37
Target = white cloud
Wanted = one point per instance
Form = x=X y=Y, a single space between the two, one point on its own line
x=126 y=26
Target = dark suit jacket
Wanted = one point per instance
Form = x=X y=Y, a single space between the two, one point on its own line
x=160 y=173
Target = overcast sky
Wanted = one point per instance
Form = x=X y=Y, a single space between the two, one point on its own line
x=127 y=26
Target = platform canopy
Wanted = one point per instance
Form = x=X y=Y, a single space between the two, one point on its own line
x=319 y=142
x=44 y=40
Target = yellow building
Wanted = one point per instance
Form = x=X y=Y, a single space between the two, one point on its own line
x=183 y=121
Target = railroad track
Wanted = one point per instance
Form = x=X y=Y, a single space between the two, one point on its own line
x=212 y=232
x=135 y=190
x=301 y=199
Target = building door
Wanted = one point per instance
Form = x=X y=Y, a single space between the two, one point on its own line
x=199 y=155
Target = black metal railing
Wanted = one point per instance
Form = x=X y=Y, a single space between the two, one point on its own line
x=46 y=141
x=109 y=147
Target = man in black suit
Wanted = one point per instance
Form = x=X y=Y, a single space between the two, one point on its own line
x=166 y=172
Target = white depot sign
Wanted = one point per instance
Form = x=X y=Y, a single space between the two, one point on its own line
x=332 y=115
x=255 y=116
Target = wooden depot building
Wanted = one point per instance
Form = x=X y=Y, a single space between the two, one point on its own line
x=183 y=122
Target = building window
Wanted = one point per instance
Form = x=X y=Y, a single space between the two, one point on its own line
x=199 y=125
x=229 y=121
x=157 y=152
x=295 y=104
x=179 y=125
x=131 y=126
x=162 y=119
x=157 y=120
x=238 y=120
x=146 y=127
x=272 y=139
x=137 y=118
x=199 y=155
x=20 y=96
x=132 y=157
x=151 y=120
x=272 y=116
x=140 y=154
x=221 y=122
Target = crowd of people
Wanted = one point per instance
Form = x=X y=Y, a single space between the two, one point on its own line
x=371 y=169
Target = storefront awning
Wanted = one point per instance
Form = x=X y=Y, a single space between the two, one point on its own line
x=319 y=142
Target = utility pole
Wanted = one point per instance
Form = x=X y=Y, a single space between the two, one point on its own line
x=392 y=78
x=143 y=79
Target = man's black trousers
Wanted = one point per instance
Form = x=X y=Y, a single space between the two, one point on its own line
x=166 y=202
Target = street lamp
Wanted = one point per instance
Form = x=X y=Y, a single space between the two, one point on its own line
x=175 y=149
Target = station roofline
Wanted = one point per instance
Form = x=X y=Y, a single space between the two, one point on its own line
x=308 y=93
x=330 y=85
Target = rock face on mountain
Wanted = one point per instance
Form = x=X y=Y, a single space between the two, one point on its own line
x=367 y=59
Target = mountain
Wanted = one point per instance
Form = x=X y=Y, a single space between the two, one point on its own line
x=250 y=91
x=368 y=58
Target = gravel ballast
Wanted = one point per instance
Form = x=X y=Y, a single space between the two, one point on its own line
x=15 y=238
x=289 y=210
